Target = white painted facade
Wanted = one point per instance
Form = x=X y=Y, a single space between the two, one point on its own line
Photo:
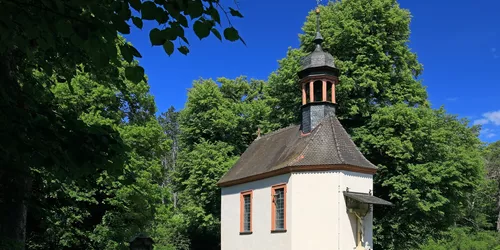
x=316 y=213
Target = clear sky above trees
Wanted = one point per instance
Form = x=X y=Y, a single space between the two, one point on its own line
x=458 y=42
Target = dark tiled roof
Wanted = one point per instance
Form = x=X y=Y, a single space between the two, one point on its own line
x=327 y=144
x=318 y=58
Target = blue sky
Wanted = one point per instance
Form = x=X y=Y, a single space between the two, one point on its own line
x=458 y=42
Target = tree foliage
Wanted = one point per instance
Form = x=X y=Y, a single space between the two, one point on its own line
x=105 y=210
x=231 y=113
x=82 y=148
x=368 y=40
x=492 y=162
x=61 y=39
x=428 y=164
x=429 y=161
x=217 y=124
x=464 y=238
x=58 y=35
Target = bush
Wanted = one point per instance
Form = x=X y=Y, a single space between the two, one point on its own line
x=465 y=239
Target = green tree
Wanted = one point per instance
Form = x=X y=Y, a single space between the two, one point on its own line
x=199 y=171
x=231 y=113
x=63 y=38
x=369 y=41
x=219 y=121
x=464 y=238
x=169 y=122
x=492 y=158
x=106 y=209
x=429 y=162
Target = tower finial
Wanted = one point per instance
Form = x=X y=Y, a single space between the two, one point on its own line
x=318 y=39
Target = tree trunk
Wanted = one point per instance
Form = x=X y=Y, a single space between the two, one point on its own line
x=15 y=181
x=13 y=208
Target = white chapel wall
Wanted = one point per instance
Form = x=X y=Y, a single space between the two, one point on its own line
x=261 y=237
x=357 y=182
x=316 y=213
x=315 y=208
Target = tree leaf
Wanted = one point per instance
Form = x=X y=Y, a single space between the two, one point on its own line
x=161 y=16
x=182 y=21
x=169 y=34
x=156 y=37
x=184 y=39
x=235 y=12
x=149 y=10
x=137 y=22
x=183 y=49
x=125 y=12
x=136 y=4
x=201 y=29
x=134 y=73
x=216 y=33
x=214 y=14
x=120 y=25
x=231 y=34
x=134 y=51
x=168 y=46
x=195 y=9
x=126 y=53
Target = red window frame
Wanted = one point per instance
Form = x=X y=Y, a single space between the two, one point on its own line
x=273 y=207
x=242 y=210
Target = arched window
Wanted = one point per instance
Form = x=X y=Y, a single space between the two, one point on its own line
x=318 y=91
x=306 y=88
x=329 y=86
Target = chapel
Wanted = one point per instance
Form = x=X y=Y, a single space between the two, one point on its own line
x=305 y=186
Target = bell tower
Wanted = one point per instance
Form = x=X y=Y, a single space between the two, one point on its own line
x=318 y=78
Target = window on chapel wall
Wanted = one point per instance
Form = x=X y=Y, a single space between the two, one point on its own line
x=279 y=208
x=246 y=212
x=318 y=91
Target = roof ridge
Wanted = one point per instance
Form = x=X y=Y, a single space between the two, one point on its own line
x=275 y=132
x=336 y=140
